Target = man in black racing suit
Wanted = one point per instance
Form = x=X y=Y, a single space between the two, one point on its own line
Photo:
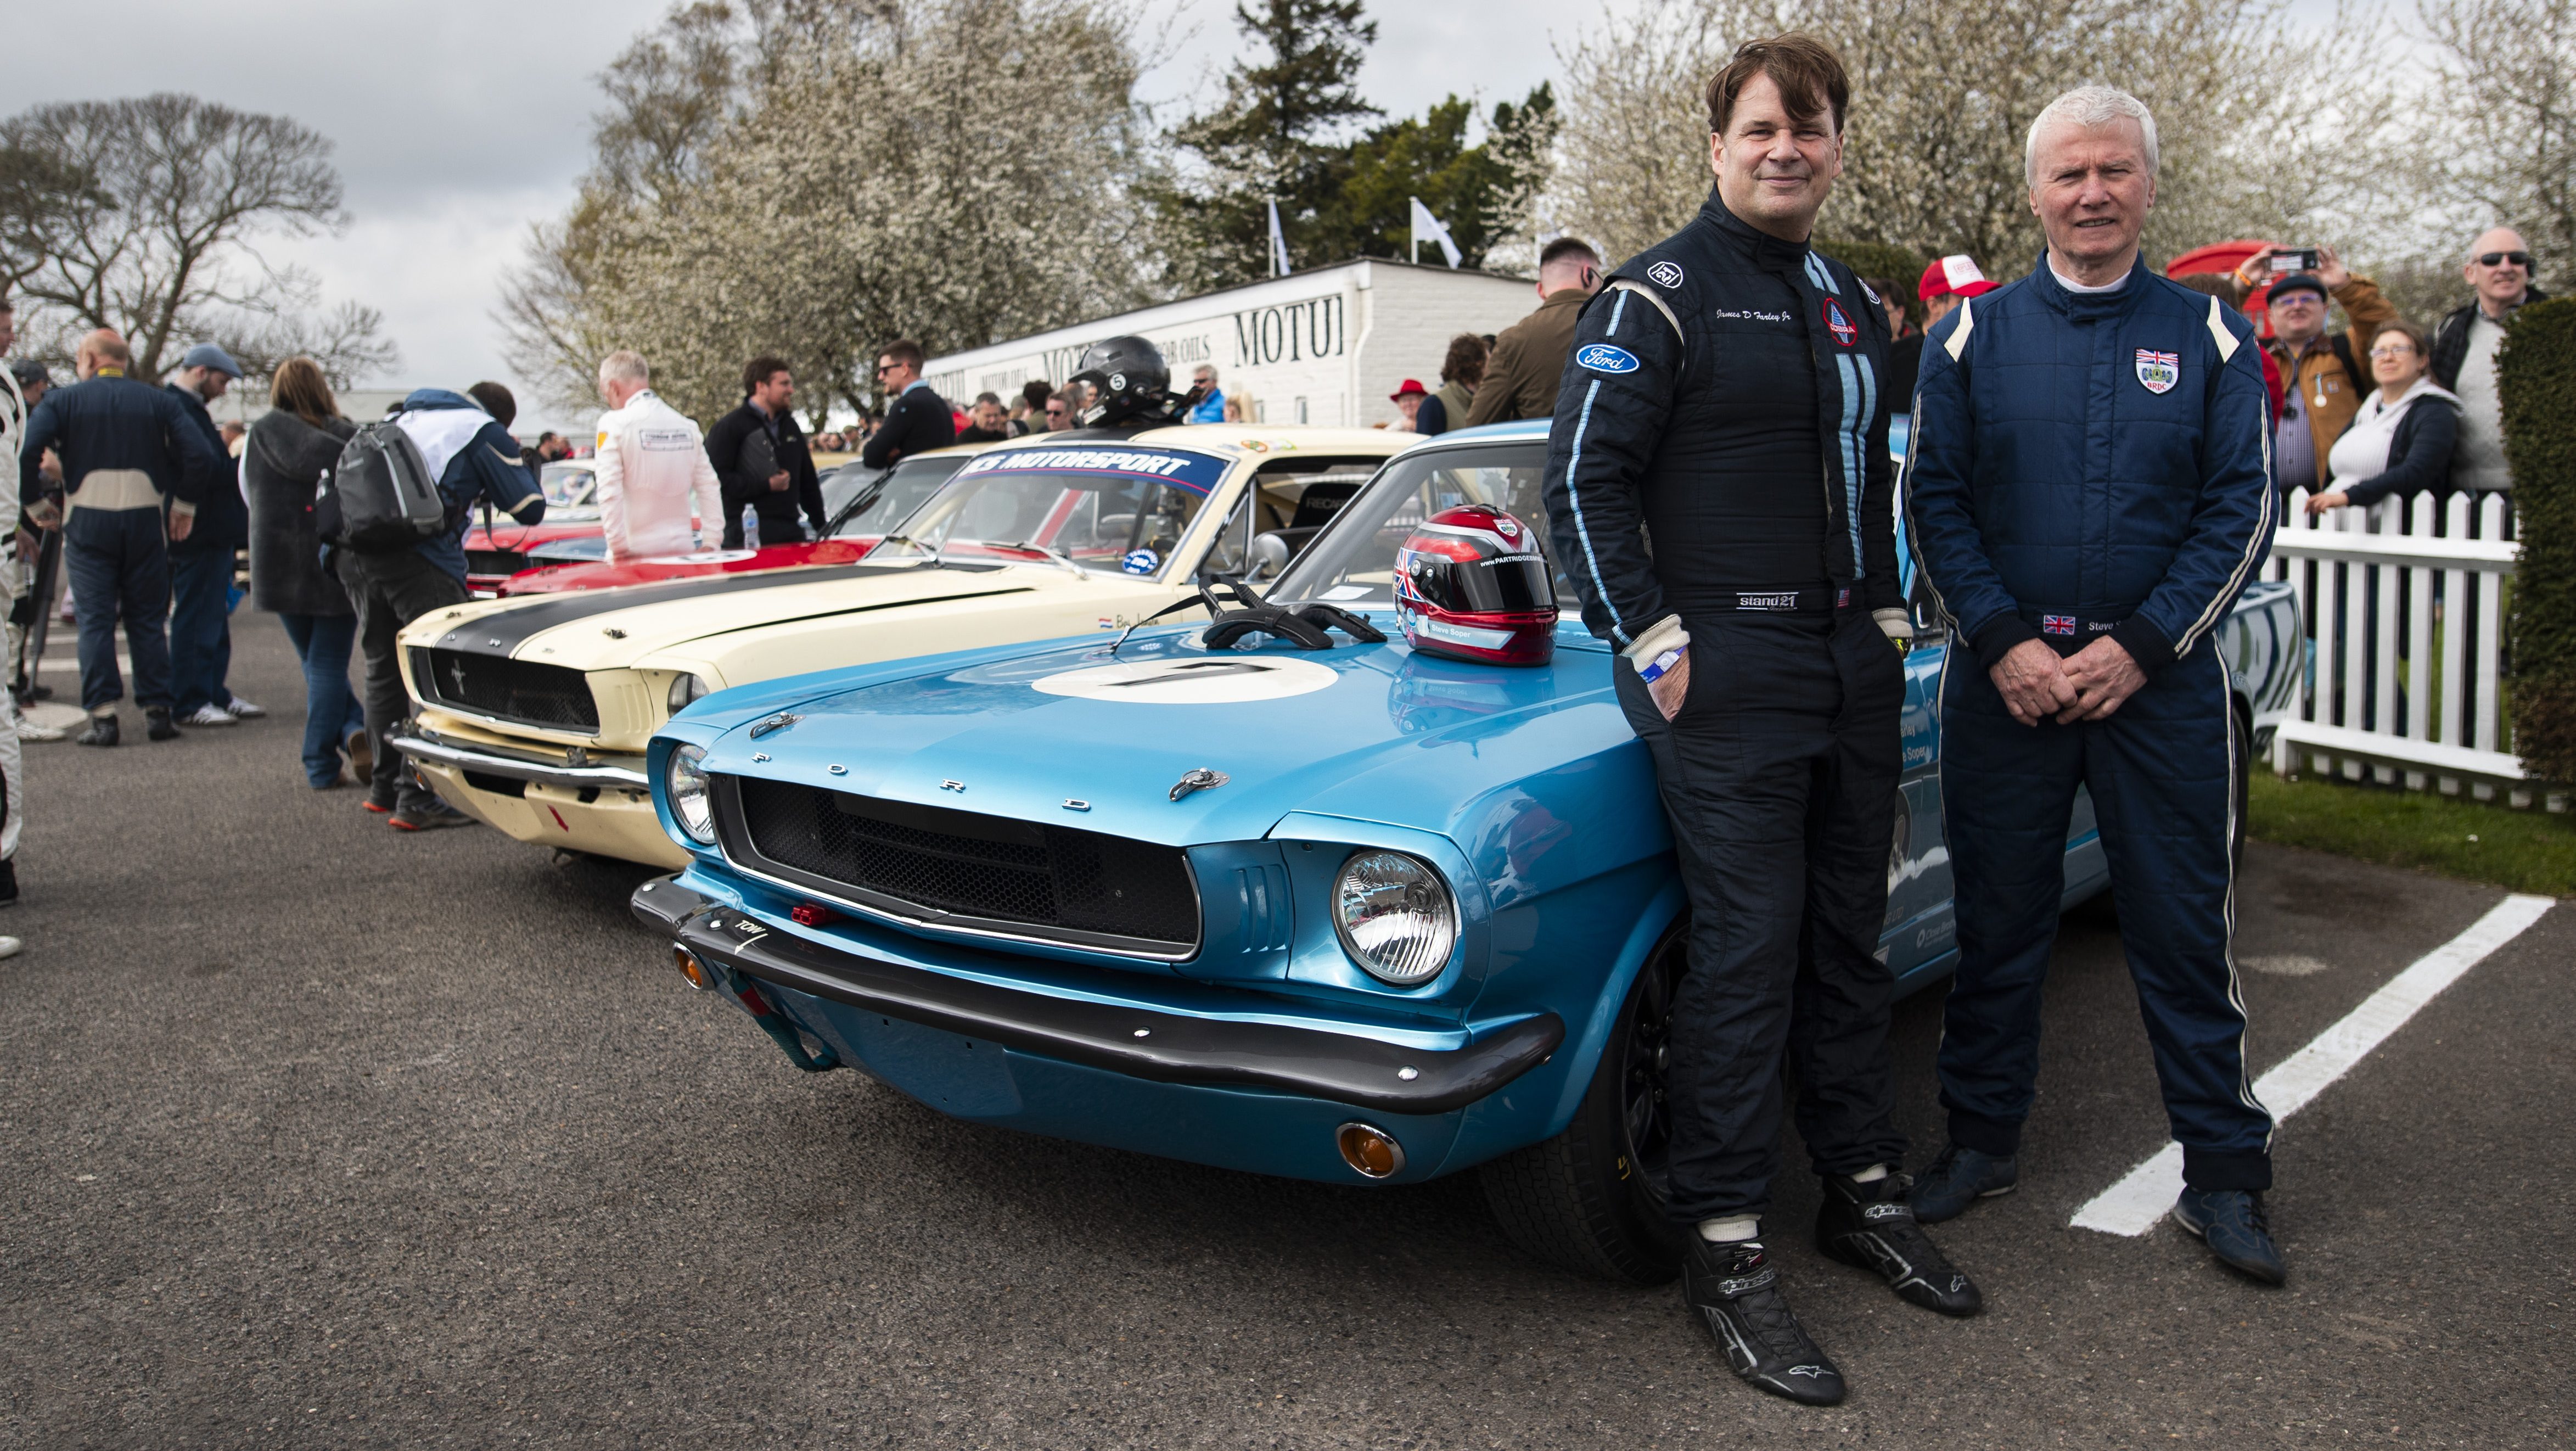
x=1718 y=488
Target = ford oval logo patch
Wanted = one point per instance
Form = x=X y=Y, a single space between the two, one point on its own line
x=1845 y=331
x=1603 y=358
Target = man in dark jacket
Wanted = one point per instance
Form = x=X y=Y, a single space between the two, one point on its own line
x=918 y=419
x=2464 y=349
x=1727 y=373
x=1529 y=356
x=127 y=447
x=2090 y=488
x=201 y=566
x=788 y=483
x=474 y=459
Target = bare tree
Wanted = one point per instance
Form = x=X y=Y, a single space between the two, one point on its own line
x=158 y=238
x=2498 y=133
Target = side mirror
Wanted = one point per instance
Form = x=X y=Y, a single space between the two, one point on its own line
x=1269 y=557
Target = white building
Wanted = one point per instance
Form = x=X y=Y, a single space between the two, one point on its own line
x=1323 y=347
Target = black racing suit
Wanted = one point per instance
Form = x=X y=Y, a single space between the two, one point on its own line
x=1719 y=467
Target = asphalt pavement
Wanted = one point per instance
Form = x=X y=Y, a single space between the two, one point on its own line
x=316 y=1134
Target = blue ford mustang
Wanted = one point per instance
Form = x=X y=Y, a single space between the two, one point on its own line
x=1343 y=914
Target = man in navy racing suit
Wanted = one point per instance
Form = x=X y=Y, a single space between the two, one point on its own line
x=1722 y=400
x=2090 y=488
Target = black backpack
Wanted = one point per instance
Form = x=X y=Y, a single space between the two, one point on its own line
x=379 y=499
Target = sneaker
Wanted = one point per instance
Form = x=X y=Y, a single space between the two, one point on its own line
x=8 y=884
x=10 y=946
x=158 y=725
x=1959 y=1178
x=362 y=760
x=2232 y=1223
x=205 y=715
x=240 y=709
x=1736 y=1292
x=29 y=730
x=428 y=818
x=1870 y=1226
x=101 y=731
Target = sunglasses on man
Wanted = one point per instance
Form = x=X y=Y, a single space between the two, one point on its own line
x=2518 y=259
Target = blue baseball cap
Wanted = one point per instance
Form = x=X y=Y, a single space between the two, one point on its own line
x=207 y=355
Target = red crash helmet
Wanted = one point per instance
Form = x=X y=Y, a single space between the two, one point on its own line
x=1471 y=584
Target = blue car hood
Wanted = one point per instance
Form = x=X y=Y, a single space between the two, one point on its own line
x=1372 y=732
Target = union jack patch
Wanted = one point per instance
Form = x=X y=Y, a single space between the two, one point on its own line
x=2057 y=624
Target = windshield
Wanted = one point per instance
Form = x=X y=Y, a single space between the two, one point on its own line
x=1114 y=508
x=566 y=485
x=1353 y=561
x=914 y=480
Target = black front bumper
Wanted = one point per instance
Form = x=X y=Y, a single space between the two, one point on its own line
x=1167 y=1047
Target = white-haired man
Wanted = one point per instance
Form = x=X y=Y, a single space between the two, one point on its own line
x=2464 y=350
x=2090 y=487
x=652 y=467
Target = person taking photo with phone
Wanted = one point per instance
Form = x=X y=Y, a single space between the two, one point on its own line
x=2324 y=376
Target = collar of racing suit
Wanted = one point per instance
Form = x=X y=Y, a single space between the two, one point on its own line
x=1768 y=252
x=2089 y=306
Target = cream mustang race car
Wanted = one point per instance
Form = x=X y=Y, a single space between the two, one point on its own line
x=533 y=714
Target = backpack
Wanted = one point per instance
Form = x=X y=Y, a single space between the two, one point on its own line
x=379 y=498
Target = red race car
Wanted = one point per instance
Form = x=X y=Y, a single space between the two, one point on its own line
x=497 y=546
x=854 y=497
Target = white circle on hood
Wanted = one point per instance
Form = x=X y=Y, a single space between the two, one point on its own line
x=1220 y=679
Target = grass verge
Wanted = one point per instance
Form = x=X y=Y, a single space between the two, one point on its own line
x=2527 y=851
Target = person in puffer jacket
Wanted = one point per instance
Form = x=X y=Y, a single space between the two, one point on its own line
x=2090 y=488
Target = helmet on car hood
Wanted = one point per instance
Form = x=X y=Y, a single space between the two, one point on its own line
x=1128 y=378
x=1471 y=584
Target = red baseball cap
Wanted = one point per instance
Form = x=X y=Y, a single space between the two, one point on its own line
x=1954 y=275
x=1411 y=385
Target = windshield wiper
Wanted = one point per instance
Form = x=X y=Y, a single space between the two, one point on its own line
x=1051 y=552
x=859 y=504
x=930 y=549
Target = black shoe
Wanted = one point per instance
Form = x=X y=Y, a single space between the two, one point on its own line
x=1959 y=1178
x=2231 y=1222
x=1736 y=1292
x=159 y=726
x=1871 y=1226
x=429 y=817
x=8 y=884
x=101 y=731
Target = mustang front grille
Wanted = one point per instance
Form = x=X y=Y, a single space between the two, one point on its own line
x=522 y=690
x=960 y=868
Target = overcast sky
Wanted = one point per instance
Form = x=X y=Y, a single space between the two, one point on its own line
x=459 y=124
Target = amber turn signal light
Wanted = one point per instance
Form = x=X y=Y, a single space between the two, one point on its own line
x=692 y=969
x=1370 y=1150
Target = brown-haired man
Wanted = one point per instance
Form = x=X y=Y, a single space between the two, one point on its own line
x=916 y=418
x=1723 y=376
x=775 y=474
x=1528 y=357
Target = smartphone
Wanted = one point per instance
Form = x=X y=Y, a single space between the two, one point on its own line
x=2303 y=259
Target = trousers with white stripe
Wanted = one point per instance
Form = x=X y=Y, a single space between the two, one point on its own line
x=2161 y=771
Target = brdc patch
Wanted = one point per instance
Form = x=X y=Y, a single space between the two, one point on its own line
x=2159 y=371
x=1839 y=323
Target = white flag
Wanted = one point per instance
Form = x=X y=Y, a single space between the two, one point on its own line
x=1427 y=228
x=1278 y=244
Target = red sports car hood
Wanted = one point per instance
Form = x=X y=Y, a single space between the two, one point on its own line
x=558 y=578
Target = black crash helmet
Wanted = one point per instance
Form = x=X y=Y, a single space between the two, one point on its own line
x=1471 y=584
x=1127 y=377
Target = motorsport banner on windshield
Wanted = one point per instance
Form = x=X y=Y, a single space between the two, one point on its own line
x=1196 y=472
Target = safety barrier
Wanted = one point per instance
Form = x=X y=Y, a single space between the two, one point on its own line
x=2406 y=681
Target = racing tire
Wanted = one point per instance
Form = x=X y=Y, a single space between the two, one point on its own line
x=1590 y=1199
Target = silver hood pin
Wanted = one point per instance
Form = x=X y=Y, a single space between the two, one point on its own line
x=1200 y=779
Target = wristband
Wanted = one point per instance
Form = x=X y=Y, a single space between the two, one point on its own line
x=1656 y=668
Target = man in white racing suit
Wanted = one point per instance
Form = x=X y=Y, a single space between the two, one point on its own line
x=13 y=787
x=652 y=467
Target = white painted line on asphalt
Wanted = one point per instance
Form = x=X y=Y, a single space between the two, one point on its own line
x=2132 y=1206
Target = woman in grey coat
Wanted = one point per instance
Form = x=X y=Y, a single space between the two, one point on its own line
x=283 y=460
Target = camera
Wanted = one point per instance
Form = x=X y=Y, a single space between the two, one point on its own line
x=2297 y=259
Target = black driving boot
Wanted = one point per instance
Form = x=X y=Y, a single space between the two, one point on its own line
x=1734 y=1289
x=1958 y=1178
x=2232 y=1223
x=101 y=731
x=1872 y=1227
x=158 y=725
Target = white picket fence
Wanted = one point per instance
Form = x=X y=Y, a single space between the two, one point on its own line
x=2407 y=680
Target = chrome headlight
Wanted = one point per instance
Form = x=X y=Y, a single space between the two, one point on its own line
x=684 y=783
x=685 y=689
x=1395 y=917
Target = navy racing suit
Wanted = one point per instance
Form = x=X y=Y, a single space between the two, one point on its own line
x=2089 y=464
x=1722 y=401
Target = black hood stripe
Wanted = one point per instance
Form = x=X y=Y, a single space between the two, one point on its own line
x=503 y=632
